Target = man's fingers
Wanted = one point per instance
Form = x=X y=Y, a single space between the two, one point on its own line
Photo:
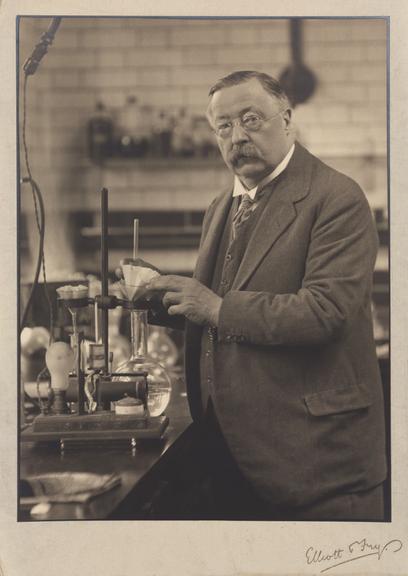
x=171 y=298
x=170 y=283
x=176 y=309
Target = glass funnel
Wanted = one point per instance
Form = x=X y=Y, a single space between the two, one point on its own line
x=159 y=383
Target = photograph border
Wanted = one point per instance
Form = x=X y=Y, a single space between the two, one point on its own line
x=235 y=549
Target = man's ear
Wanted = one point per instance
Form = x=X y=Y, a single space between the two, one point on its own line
x=287 y=119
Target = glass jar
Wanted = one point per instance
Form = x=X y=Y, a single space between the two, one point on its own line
x=158 y=381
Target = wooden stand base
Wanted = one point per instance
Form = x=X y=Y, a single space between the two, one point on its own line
x=103 y=426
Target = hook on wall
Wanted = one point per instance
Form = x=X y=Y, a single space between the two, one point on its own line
x=298 y=81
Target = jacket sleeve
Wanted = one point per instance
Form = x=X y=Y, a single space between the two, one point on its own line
x=337 y=281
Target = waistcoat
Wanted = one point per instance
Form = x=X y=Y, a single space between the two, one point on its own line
x=229 y=256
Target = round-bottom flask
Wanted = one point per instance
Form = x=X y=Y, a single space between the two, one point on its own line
x=162 y=348
x=158 y=381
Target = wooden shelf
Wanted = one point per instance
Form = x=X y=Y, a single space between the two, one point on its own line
x=170 y=163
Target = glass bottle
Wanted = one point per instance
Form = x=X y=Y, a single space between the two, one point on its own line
x=203 y=139
x=129 y=121
x=182 y=142
x=163 y=134
x=146 y=130
x=100 y=135
x=158 y=381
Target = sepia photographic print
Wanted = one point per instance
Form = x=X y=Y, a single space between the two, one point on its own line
x=205 y=344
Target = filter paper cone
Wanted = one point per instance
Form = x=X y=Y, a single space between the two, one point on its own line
x=135 y=280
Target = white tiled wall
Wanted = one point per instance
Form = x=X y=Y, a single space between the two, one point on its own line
x=172 y=63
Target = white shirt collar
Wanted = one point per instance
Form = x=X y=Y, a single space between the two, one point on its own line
x=240 y=189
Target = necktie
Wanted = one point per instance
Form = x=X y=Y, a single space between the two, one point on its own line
x=246 y=207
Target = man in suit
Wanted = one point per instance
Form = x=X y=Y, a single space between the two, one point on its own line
x=282 y=375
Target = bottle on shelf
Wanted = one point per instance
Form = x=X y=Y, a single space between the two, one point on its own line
x=100 y=134
x=129 y=128
x=182 y=142
x=146 y=129
x=203 y=139
x=162 y=134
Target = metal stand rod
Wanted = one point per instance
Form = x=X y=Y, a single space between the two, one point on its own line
x=96 y=313
x=104 y=274
x=80 y=377
x=135 y=238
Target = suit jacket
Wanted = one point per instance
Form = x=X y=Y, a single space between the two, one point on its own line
x=297 y=389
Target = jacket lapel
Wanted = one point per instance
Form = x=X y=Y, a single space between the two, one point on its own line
x=211 y=239
x=278 y=214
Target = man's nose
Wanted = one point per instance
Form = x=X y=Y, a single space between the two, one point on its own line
x=238 y=134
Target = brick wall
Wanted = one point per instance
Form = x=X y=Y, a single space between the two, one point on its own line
x=171 y=63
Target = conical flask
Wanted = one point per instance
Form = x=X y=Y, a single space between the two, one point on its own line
x=158 y=381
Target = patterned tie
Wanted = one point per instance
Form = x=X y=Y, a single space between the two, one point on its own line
x=246 y=208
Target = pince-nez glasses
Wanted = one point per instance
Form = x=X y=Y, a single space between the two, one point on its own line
x=250 y=122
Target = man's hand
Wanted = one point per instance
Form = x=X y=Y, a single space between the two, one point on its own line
x=188 y=297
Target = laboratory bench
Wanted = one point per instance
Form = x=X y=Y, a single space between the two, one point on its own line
x=145 y=471
x=151 y=474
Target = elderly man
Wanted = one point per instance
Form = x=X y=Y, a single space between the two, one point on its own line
x=282 y=375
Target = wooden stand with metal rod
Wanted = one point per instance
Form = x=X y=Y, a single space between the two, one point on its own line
x=102 y=423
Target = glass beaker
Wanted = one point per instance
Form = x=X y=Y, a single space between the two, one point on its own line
x=158 y=381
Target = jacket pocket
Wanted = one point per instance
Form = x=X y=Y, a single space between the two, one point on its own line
x=337 y=401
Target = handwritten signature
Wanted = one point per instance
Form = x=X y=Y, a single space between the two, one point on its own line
x=354 y=551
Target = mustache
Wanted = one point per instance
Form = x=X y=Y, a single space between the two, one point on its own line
x=244 y=151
